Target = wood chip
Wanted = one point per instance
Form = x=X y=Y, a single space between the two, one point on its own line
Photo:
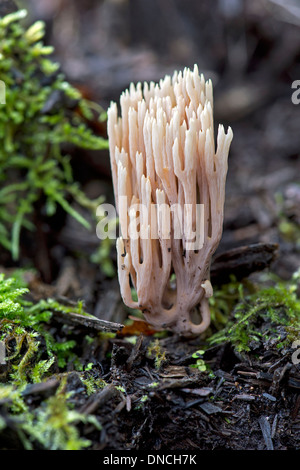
x=202 y=392
x=43 y=388
x=210 y=409
x=244 y=397
x=266 y=432
x=277 y=378
x=136 y=350
x=173 y=371
x=269 y=397
x=177 y=383
x=274 y=426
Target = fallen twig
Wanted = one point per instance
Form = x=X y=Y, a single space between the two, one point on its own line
x=99 y=399
x=88 y=321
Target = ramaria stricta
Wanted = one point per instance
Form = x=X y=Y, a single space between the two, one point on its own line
x=169 y=185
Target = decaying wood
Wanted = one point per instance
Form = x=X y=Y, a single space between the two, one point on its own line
x=243 y=261
x=99 y=399
x=136 y=350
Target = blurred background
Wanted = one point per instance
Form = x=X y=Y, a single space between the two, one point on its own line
x=249 y=48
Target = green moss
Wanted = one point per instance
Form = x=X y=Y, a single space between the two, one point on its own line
x=53 y=426
x=155 y=352
x=23 y=328
x=43 y=115
x=258 y=315
x=93 y=384
x=33 y=355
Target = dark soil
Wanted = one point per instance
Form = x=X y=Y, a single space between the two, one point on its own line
x=246 y=401
x=250 y=401
x=250 y=404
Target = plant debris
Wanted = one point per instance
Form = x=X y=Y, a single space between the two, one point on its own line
x=144 y=391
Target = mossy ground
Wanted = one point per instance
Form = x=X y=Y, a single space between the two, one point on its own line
x=69 y=388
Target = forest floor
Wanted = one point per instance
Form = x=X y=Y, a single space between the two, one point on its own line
x=156 y=391
x=151 y=393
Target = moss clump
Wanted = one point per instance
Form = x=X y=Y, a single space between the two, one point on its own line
x=52 y=426
x=259 y=315
x=155 y=351
x=42 y=114
x=31 y=355
x=23 y=328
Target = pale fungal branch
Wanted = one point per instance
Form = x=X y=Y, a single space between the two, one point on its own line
x=169 y=184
